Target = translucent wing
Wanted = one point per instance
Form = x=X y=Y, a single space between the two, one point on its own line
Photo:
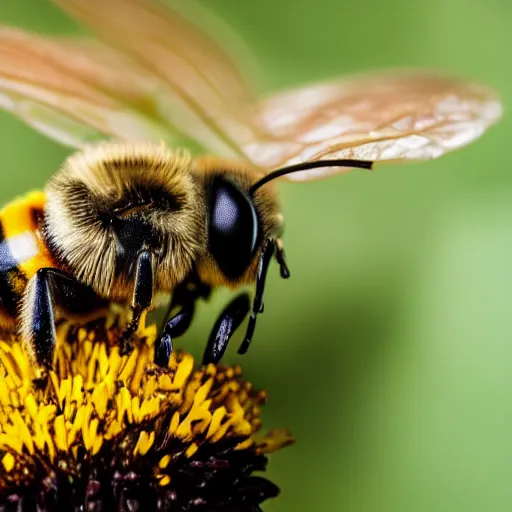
x=383 y=117
x=157 y=76
x=202 y=90
x=75 y=91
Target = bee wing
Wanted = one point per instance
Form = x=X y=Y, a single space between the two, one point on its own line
x=392 y=117
x=163 y=78
x=75 y=91
x=201 y=88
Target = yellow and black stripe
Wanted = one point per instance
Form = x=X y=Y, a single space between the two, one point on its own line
x=22 y=251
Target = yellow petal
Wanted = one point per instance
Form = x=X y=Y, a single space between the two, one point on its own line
x=31 y=406
x=175 y=421
x=165 y=383
x=9 y=363
x=59 y=427
x=184 y=370
x=203 y=392
x=99 y=398
x=191 y=450
x=102 y=361
x=8 y=462
x=97 y=444
x=164 y=461
x=124 y=402
x=217 y=418
x=91 y=366
x=23 y=431
x=144 y=443
x=129 y=366
x=138 y=372
x=166 y=480
x=275 y=440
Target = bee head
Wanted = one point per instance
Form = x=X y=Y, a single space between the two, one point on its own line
x=237 y=223
x=243 y=217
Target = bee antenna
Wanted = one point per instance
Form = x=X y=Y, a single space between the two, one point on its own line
x=304 y=166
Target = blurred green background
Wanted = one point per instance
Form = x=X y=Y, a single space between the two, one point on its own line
x=389 y=351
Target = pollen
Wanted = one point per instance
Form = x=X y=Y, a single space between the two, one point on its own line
x=105 y=430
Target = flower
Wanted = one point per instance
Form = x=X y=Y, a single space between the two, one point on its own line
x=105 y=431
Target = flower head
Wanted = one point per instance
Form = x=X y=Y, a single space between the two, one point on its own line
x=107 y=431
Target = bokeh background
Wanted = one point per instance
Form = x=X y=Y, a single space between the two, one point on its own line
x=389 y=351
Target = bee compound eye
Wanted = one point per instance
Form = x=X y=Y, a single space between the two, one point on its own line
x=233 y=228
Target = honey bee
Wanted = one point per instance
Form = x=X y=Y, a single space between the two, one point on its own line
x=129 y=220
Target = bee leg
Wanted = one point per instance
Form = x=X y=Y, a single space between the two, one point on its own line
x=281 y=259
x=227 y=323
x=190 y=290
x=142 y=296
x=47 y=289
x=174 y=327
x=184 y=297
x=257 y=306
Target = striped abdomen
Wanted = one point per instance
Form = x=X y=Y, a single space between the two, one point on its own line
x=22 y=251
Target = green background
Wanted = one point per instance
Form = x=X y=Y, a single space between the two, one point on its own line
x=388 y=353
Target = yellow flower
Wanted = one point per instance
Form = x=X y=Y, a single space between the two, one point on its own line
x=105 y=431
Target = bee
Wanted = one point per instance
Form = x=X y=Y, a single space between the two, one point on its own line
x=130 y=220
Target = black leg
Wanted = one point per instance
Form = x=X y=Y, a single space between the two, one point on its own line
x=42 y=322
x=227 y=323
x=174 y=327
x=47 y=289
x=183 y=300
x=257 y=306
x=281 y=259
x=142 y=295
x=143 y=289
x=189 y=291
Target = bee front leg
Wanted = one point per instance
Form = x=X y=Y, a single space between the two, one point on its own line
x=142 y=295
x=174 y=327
x=48 y=289
x=227 y=323
x=184 y=299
